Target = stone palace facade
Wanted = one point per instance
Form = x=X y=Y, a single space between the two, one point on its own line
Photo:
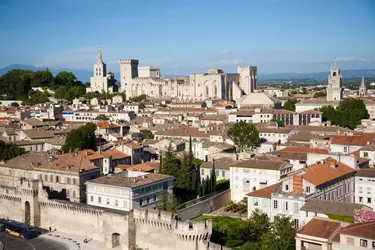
x=136 y=80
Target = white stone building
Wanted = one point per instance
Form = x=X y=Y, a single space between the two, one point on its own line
x=127 y=190
x=251 y=175
x=365 y=187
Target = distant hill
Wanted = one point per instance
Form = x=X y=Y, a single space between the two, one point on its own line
x=84 y=75
x=318 y=75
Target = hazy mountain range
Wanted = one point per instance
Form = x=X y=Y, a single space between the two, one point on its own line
x=84 y=75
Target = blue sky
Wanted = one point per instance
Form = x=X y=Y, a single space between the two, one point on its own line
x=190 y=36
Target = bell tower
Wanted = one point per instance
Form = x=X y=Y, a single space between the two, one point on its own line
x=334 y=87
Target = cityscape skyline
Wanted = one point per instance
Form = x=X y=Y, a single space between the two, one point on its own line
x=280 y=36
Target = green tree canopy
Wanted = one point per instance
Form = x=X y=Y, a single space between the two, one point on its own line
x=65 y=78
x=147 y=134
x=244 y=135
x=81 y=138
x=348 y=113
x=320 y=94
x=279 y=122
x=167 y=202
x=102 y=118
x=9 y=151
x=281 y=236
x=15 y=84
x=290 y=104
x=42 y=78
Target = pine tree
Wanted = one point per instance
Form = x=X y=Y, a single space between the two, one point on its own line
x=170 y=163
x=199 y=183
x=161 y=163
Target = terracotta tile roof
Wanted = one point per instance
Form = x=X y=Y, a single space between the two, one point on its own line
x=265 y=192
x=330 y=169
x=106 y=125
x=220 y=163
x=320 y=228
x=332 y=207
x=358 y=140
x=115 y=154
x=290 y=155
x=67 y=162
x=305 y=150
x=363 y=230
x=259 y=164
x=89 y=154
x=130 y=182
x=356 y=153
x=366 y=172
x=142 y=167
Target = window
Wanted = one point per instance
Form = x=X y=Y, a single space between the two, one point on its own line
x=217 y=173
x=140 y=202
x=368 y=190
x=363 y=243
x=40 y=177
x=202 y=171
x=308 y=190
x=350 y=240
x=296 y=223
x=286 y=187
x=275 y=204
x=116 y=202
x=365 y=154
x=307 y=214
x=360 y=190
x=68 y=180
x=57 y=179
x=223 y=173
x=286 y=206
x=360 y=199
x=107 y=201
x=45 y=177
x=51 y=178
x=296 y=210
x=345 y=149
x=373 y=245
x=99 y=199
x=369 y=200
x=91 y=198
x=74 y=181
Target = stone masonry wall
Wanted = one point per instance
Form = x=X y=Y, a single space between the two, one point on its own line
x=205 y=206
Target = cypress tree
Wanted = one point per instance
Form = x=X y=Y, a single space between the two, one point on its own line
x=213 y=176
x=209 y=185
x=204 y=187
x=161 y=163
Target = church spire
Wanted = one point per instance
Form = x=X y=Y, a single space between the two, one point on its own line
x=99 y=60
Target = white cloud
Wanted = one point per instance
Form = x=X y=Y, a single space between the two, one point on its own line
x=223 y=62
x=345 y=59
x=225 y=51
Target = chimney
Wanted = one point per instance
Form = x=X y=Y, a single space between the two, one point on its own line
x=332 y=164
x=297 y=184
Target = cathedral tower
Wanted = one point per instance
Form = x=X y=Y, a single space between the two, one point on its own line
x=334 y=87
x=362 y=88
x=99 y=82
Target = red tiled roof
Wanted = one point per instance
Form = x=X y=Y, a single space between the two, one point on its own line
x=265 y=192
x=360 y=140
x=115 y=154
x=89 y=154
x=330 y=169
x=305 y=150
x=106 y=125
x=363 y=230
x=320 y=228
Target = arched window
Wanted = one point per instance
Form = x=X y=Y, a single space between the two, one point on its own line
x=206 y=90
x=334 y=74
x=215 y=91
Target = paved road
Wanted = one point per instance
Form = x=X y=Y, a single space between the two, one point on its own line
x=15 y=243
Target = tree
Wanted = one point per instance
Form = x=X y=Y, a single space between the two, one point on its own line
x=42 y=78
x=213 y=177
x=65 y=78
x=320 y=94
x=81 y=138
x=102 y=118
x=14 y=104
x=244 y=135
x=15 y=84
x=61 y=92
x=351 y=112
x=139 y=98
x=328 y=113
x=281 y=236
x=167 y=202
x=170 y=164
x=204 y=187
x=9 y=151
x=348 y=113
x=147 y=134
x=290 y=104
x=279 y=122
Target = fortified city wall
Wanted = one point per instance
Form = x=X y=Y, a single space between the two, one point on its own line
x=29 y=203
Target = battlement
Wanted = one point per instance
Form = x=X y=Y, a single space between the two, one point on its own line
x=193 y=231
x=126 y=61
x=153 y=217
